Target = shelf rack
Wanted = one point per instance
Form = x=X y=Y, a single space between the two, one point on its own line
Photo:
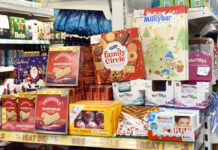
x=7 y=69
x=13 y=41
x=98 y=142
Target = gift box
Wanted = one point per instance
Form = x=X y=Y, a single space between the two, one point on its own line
x=94 y=118
x=133 y=121
x=173 y=126
x=118 y=56
x=193 y=95
x=63 y=66
x=129 y=92
x=31 y=71
x=75 y=94
x=159 y=93
x=98 y=92
x=201 y=58
x=164 y=34
x=51 y=114
x=18 y=112
x=17 y=28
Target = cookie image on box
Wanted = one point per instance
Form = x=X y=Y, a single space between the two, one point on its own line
x=120 y=59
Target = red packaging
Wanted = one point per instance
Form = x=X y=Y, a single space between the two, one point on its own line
x=10 y=104
x=76 y=94
x=88 y=80
x=63 y=66
x=118 y=56
x=88 y=73
x=25 y=106
x=101 y=92
x=88 y=58
x=52 y=111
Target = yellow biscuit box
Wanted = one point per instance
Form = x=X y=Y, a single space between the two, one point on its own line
x=96 y=118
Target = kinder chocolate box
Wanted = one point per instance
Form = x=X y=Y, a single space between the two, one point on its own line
x=118 y=56
x=51 y=113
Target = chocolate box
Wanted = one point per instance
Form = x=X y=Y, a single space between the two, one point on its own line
x=31 y=71
x=118 y=56
x=164 y=33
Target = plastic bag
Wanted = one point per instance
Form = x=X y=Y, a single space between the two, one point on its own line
x=76 y=21
x=68 y=28
x=83 y=23
x=58 y=19
x=64 y=19
x=94 y=26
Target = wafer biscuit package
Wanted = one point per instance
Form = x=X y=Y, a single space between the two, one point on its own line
x=164 y=33
x=51 y=113
x=63 y=66
x=118 y=56
x=94 y=117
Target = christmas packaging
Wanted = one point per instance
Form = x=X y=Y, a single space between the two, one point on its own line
x=31 y=30
x=133 y=121
x=47 y=31
x=117 y=56
x=31 y=71
x=193 y=95
x=201 y=58
x=164 y=33
x=129 y=92
x=75 y=94
x=94 y=118
x=173 y=126
x=166 y=3
x=10 y=105
x=51 y=115
x=63 y=66
x=4 y=27
x=41 y=31
x=159 y=93
x=17 y=28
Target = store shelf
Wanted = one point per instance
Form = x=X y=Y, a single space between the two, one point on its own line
x=25 y=7
x=98 y=5
x=11 y=41
x=7 y=69
x=88 y=141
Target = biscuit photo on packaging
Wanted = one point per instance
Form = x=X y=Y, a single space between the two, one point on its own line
x=63 y=66
x=118 y=56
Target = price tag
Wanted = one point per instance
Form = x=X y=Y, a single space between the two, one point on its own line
x=95 y=39
x=54 y=139
x=110 y=143
x=138 y=13
x=203 y=71
x=17 y=136
x=78 y=141
x=172 y=146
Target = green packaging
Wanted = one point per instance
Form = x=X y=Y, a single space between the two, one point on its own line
x=17 y=28
x=197 y=3
x=166 y=3
x=181 y=2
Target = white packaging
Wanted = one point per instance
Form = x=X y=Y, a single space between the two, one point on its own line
x=193 y=96
x=47 y=31
x=129 y=92
x=31 y=30
x=159 y=98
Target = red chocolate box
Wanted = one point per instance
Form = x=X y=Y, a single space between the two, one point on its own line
x=118 y=56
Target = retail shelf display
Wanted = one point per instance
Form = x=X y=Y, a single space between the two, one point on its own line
x=26 y=7
x=86 y=141
x=7 y=69
x=11 y=41
x=98 y=5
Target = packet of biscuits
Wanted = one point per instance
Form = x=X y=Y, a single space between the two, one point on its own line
x=118 y=56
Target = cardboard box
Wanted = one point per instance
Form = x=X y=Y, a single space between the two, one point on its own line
x=197 y=96
x=173 y=126
x=159 y=93
x=31 y=30
x=181 y=2
x=129 y=92
x=197 y=3
x=4 y=27
x=94 y=118
x=17 y=28
x=166 y=3
x=51 y=112
x=164 y=33
x=118 y=56
x=63 y=66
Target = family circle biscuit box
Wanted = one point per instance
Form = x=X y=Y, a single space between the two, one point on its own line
x=164 y=33
x=63 y=66
x=51 y=113
x=118 y=56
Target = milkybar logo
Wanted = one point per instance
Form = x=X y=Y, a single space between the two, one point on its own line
x=115 y=56
x=63 y=55
x=51 y=99
x=158 y=17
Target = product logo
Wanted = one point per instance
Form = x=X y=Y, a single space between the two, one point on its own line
x=114 y=56
x=51 y=99
x=63 y=55
x=20 y=25
x=158 y=17
x=198 y=60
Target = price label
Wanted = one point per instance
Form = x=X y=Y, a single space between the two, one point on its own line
x=54 y=139
x=95 y=39
x=78 y=141
x=17 y=136
x=2 y=136
x=150 y=145
x=138 y=13
x=203 y=71
x=172 y=146
x=110 y=143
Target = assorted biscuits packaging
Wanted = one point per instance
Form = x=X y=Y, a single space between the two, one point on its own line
x=164 y=33
x=51 y=113
x=118 y=56
x=63 y=66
